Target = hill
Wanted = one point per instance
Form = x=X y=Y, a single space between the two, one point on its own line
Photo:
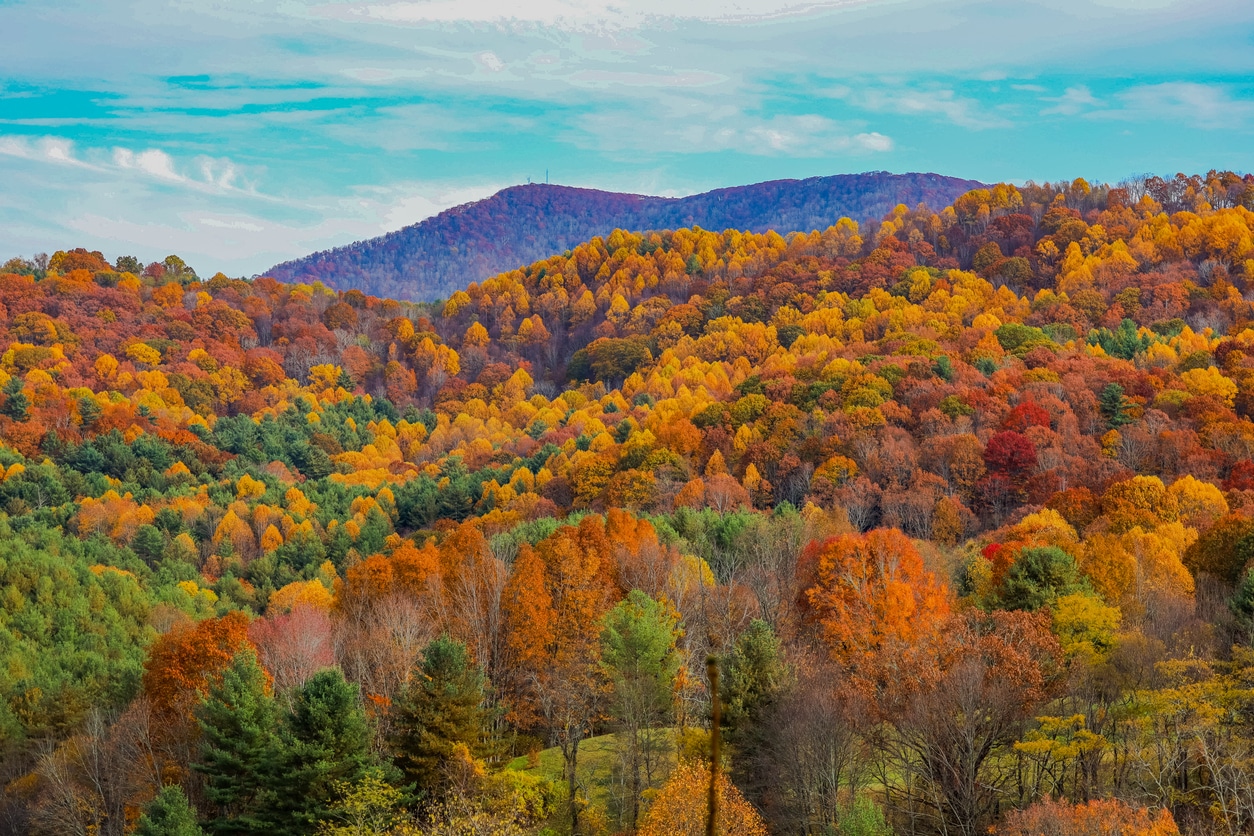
x=518 y=225
x=981 y=475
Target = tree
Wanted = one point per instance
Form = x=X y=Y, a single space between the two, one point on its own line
x=16 y=404
x=1038 y=577
x=638 y=655
x=149 y=544
x=168 y=814
x=1114 y=406
x=325 y=742
x=1093 y=818
x=755 y=674
x=240 y=749
x=440 y=707
x=679 y=809
x=966 y=704
x=874 y=602
x=557 y=648
x=369 y=806
x=186 y=662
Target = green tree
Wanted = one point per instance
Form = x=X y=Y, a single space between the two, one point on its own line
x=325 y=742
x=15 y=403
x=441 y=706
x=1114 y=406
x=1038 y=577
x=149 y=544
x=169 y=814
x=240 y=748
x=639 y=657
x=89 y=411
x=863 y=818
x=1242 y=602
x=755 y=672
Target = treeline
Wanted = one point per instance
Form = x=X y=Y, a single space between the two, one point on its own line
x=962 y=501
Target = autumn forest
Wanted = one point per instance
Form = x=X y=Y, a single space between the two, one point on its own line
x=958 y=506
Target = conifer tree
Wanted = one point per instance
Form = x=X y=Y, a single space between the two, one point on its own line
x=15 y=403
x=240 y=748
x=325 y=742
x=440 y=707
x=169 y=814
x=1114 y=406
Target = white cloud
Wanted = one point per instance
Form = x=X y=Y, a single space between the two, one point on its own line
x=593 y=15
x=153 y=162
x=1206 y=105
x=946 y=103
x=1073 y=100
x=48 y=149
x=703 y=127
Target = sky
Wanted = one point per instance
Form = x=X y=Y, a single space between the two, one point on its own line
x=241 y=133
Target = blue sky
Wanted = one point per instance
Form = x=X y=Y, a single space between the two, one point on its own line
x=238 y=133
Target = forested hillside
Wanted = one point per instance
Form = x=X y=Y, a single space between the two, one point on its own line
x=438 y=256
x=961 y=501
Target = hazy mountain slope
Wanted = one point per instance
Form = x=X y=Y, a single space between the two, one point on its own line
x=522 y=224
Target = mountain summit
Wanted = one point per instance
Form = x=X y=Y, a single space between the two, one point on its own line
x=521 y=224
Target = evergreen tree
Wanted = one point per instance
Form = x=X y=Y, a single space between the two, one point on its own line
x=169 y=814
x=149 y=544
x=325 y=742
x=15 y=403
x=240 y=748
x=755 y=672
x=89 y=411
x=1038 y=577
x=441 y=706
x=1114 y=406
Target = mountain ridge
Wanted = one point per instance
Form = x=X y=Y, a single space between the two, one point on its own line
x=525 y=223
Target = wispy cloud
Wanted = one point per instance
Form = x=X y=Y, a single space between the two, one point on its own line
x=1073 y=100
x=1203 y=104
x=48 y=149
x=583 y=15
x=944 y=103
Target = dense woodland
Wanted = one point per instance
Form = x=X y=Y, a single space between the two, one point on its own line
x=961 y=502
x=517 y=225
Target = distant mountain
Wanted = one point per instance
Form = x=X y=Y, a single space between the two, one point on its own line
x=522 y=224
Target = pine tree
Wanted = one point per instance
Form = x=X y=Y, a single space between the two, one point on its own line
x=325 y=743
x=441 y=706
x=15 y=403
x=169 y=814
x=240 y=748
x=1114 y=406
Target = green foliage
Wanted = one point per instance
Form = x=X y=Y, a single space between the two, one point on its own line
x=72 y=632
x=1124 y=342
x=1242 y=602
x=1019 y=339
x=1114 y=406
x=638 y=653
x=169 y=814
x=862 y=818
x=16 y=404
x=240 y=749
x=325 y=743
x=441 y=706
x=753 y=676
x=1039 y=576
